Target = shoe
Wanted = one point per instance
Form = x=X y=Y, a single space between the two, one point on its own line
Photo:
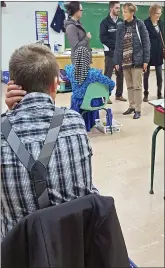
x=109 y=102
x=121 y=98
x=137 y=115
x=129 y=111
x=145 y=99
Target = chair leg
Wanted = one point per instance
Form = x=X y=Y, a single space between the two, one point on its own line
x=108 y=119
x=110 y=128
x=83 y=113
x=154 y=135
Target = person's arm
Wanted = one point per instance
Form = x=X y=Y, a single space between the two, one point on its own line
x=104 y=36
x=69 y=72
x=162 y=29
x=145 y=42
x=97 y=76
x=106 y=81
x=72 y=36
x=117 y=48
x=145 y=23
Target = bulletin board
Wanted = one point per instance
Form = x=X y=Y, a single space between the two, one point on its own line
x=42 y=32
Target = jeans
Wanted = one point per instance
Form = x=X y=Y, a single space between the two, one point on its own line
x=109 y=66
x=158 y=70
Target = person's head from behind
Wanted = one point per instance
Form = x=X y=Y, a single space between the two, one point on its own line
x=82 y=64
x=114 y=8
x=74 y=9
x=34 y=68
x=155 y=12
x=129 y=10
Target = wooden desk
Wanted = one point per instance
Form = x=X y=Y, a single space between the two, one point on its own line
x=159 y=118
x=97 y=59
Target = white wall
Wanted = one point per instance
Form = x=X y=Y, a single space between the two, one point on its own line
x=18 y=26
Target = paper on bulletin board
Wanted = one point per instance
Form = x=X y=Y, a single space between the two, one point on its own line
x=42 y=32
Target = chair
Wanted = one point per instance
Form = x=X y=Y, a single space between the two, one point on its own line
x=132 y=264
x=94 y=91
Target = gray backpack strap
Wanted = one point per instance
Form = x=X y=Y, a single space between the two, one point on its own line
x=16 y=145
x=52 y=136
x=37 y=169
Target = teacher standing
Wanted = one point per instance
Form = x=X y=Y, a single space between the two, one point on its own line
x=75 y=32
x=155 y=29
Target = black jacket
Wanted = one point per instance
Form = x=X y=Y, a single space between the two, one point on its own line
x=141 y=48
x=156 y=55
x=84 y=233
x=108 y=29
x=57 y=23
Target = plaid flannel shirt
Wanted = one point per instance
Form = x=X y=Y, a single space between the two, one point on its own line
x=69 y=169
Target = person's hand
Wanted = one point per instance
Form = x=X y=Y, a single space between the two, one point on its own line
x=145 y=67
x=117 y=67
x=14 y=95
x=89 y=35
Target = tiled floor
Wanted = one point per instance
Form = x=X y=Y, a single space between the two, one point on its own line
x=121 y=168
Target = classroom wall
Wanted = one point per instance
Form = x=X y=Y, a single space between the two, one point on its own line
x=18 y=26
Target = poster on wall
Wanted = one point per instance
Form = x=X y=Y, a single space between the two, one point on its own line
x=42 y=32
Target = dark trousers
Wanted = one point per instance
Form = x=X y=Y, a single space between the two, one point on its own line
x=109 y=66
x=158 y=70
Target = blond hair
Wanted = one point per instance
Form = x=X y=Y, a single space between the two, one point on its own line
x=33 y=67
x=153 y=9
x=131 y=7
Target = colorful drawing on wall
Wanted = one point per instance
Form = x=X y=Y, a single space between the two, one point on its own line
x=42 y=32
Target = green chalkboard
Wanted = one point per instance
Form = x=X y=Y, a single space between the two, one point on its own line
x=94 y=13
